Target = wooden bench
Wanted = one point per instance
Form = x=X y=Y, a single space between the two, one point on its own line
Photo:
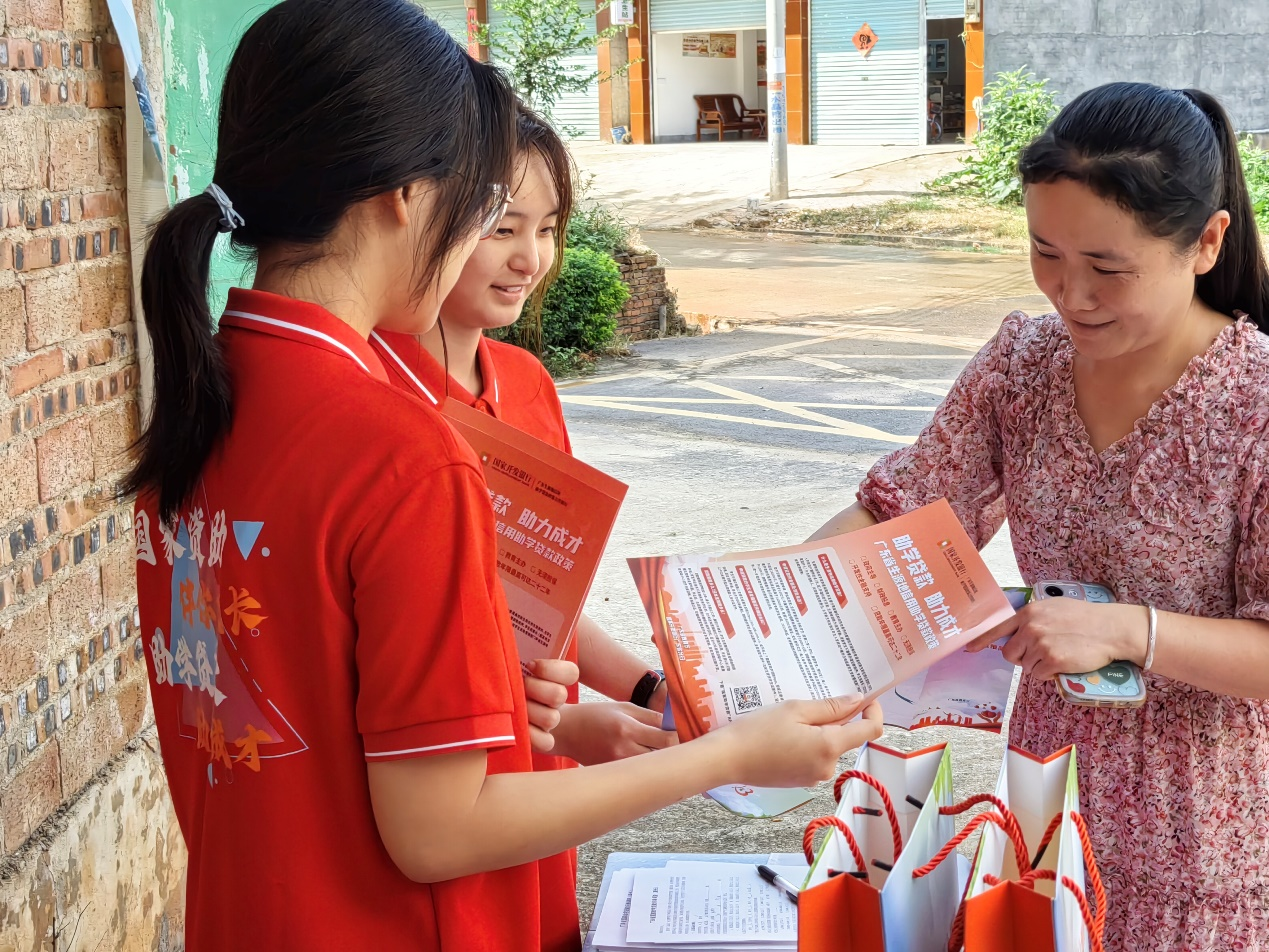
x=727 y=112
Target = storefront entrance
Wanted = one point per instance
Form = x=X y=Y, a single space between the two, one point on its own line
x=694 y=70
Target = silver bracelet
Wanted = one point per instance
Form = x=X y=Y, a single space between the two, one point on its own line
x=1150 y=638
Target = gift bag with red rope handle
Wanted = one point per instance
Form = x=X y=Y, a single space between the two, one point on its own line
x=860 y=894
x=1011 y=916
x=1027 y=888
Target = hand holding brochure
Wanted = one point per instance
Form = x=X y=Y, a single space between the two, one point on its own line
x=553 y=515
x=961 y=690
x=858 y=613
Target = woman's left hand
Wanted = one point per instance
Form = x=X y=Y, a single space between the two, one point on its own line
x=545 y=692
x=596 y=732
x=1068 y=636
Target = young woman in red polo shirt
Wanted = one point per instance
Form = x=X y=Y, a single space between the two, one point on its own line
x=344 y=726
x=507 y=275
x=507 y=270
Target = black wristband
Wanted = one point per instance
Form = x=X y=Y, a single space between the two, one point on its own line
x=646 y=687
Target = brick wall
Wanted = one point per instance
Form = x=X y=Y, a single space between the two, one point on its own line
x=73 y=692
x=640 y=319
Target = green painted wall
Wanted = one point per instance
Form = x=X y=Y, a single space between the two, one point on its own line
x=199 y=37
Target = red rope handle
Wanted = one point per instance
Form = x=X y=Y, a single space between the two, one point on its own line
x=896 y=833
x=956 y=940
x=823 y=822
x=1094 y=874
x=1046 y=839
x=1029 y=880
x=956 y=809
x=1094 y=924
x=1012 y=828
x=1008 y=824
x=966 y=832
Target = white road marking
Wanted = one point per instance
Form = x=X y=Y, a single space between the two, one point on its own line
x=864 y=375
x=844 y=428
x=720 y=401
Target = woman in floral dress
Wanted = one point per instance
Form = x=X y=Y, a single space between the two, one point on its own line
x=1126 y=439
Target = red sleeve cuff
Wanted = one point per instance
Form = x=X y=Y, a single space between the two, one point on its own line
x=440 y=737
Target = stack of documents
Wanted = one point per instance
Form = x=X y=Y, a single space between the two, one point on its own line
x=703 y=906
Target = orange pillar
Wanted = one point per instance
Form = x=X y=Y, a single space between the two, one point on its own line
x=974 y=51
x=797 y=69
x=603 y=63
x=639 y=39
x=477 y=13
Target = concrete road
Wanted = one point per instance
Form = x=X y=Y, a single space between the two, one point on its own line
x=753 y=438
x=752 y=278
x=670 y=186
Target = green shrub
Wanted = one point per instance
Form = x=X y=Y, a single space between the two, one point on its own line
x=1256 y=168
x=597 y=226
x=1018 y=107
x=580 y=310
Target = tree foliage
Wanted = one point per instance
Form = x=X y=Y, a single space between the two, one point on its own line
x=1017 y=108
x=534 y=41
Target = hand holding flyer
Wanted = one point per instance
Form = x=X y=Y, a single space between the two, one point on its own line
x=962 y=689
x=553 y=515
x=854 y=614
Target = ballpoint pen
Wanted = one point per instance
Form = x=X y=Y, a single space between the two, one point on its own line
x=780 y=883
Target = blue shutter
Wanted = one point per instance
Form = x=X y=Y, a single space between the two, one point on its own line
x=690 y=16
x=944 y=9
x=874 y=100
x=451 y=14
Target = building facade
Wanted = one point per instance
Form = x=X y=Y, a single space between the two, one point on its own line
x=838 y=91
x=926 y=56
x=1217 y=46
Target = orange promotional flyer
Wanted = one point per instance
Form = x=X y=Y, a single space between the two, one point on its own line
x=553 y=515
x=858 y=613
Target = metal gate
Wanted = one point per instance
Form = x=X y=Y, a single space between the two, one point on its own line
x=874 y=100
x=673 y=16
x=945 y=9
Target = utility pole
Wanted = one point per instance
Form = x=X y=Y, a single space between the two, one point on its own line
x=777 y=104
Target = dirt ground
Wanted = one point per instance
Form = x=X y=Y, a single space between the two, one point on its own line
x=957 y=219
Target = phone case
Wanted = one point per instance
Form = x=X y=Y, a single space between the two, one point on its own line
x=1118 y=684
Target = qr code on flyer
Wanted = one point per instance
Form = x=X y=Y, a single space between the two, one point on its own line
x=746 y=699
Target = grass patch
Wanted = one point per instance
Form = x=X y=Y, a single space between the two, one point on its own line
x=953 y=217
x=564 y=362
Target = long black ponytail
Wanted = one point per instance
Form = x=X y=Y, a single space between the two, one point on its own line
x=1170 y=157
x=1240 y=279
x=193 y=405
x=326 y=103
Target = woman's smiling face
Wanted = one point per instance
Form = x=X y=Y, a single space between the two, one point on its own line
x=507 y=266
x=1117 y=287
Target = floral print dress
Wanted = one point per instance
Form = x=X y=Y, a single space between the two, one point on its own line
x=1175 y=514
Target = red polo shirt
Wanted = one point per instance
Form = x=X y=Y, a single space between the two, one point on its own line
x=518 y=391
x=327 y=598
x=517 y=388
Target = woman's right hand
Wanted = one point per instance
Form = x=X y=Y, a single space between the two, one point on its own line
x=797 y=743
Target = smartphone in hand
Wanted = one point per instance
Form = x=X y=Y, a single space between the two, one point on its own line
x=1118 y=684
